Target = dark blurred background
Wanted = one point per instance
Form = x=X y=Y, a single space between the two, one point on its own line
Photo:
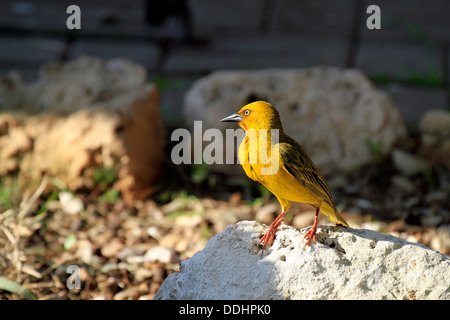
x=178 y=41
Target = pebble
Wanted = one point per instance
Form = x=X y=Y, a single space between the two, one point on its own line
x=161 y=254
x=69 y=203
x=403 y=183
x=154 y=232
x=84 y=251
x=112 y=247
x=188 y=220
x=409 y=164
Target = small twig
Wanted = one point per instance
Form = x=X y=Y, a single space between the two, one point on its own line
x=29 y=270
x=6 y=214
x=15 y=237
x=37 y=285
x=55 y=265
x=8 y=234
x=26 y=204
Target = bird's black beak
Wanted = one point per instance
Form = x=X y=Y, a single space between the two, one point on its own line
x=233 y=118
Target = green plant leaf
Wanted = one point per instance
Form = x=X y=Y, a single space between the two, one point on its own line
x=104 y=176
x=376 y=148
x=110 y=196
x=16 y=288
x=44 y=207
x=70 y=241
x=199 y=172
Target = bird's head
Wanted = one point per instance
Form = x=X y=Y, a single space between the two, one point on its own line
x=256 y=115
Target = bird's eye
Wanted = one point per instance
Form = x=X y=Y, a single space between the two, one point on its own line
x=246 y=112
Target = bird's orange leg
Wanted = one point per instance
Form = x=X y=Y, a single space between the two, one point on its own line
x=267 y=239
x=311 y=234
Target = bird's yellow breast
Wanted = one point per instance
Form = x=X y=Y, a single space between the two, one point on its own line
x=262 y=163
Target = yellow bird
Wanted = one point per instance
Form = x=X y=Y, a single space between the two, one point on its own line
x=295 y=177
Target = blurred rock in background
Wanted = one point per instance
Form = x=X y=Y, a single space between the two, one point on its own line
x=435 y=130
x=334 y=113
x=81 y=116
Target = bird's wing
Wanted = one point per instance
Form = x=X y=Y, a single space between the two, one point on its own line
x=295 y=160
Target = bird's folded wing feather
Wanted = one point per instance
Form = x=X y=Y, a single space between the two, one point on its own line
x=299 y=165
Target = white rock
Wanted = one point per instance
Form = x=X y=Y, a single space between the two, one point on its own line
x=332 y=112
x=403 y=184
x=78 y=117
x=69 y=203
x=435 y=136
x=344 y=264
x=154 y=232
x=84 y=251
x=188 y=220
x=161 y=254
x=409 y=164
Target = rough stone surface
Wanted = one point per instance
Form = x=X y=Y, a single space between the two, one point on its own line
x=80 y=116
x=332 y=112
x=435 y=130
x=344 y=264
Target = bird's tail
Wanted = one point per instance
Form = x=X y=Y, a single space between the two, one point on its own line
x=333 y=214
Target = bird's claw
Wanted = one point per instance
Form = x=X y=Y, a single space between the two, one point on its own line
x=269 y=235
x=310 y=235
